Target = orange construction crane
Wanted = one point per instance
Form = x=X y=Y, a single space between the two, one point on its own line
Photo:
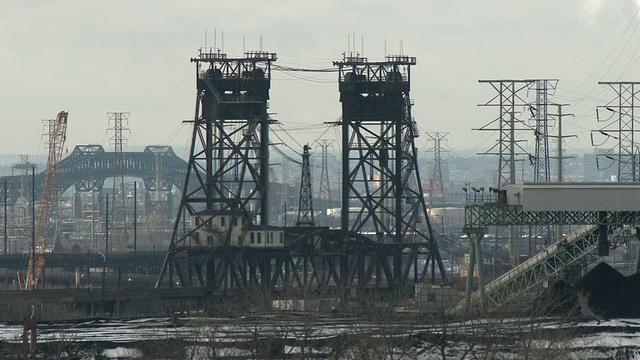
x=48 y=198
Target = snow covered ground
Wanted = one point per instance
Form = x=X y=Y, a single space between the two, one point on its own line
x=321 y=336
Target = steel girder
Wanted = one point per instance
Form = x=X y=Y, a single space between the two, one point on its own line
x=316 y=259
x=483 y=215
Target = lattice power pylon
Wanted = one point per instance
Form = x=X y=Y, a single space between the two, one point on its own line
x=381 y=191
x=508 y=100
x=305 y=208
x=324 y=190
x=542 y=169
x=118 y=234
x=621 y=127
x=436 y=185
x=228 y=171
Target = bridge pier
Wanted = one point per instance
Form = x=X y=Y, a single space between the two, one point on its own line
x=475 y=256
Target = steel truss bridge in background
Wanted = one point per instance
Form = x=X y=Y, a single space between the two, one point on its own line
x=87 y=167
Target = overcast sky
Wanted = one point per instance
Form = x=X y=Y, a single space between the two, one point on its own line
x=93 y=57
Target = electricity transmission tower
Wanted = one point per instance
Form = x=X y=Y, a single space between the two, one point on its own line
x=324 y=190
x=539 y=112
x=508 y=99
x=305 y=208
x=118 y=226
x=436 y=185
x=620 y=126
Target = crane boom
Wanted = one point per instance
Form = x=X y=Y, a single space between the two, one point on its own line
x=48 y=198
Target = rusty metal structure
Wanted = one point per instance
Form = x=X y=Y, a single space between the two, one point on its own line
x=48 y=198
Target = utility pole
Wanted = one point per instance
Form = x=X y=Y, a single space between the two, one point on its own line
x=560 y=157
x=285 y=185
x=560 y=138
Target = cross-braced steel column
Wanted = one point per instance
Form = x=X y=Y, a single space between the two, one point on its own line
x=381 y=188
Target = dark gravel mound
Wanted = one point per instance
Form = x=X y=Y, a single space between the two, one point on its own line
x=609 y=293
x=559 y=299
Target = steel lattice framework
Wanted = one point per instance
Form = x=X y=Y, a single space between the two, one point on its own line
x=503 y=215
x=436 y=186
x=228 y=168
x=381 y=187
x=508 y=100
x=324 y=189
x=623 y=107
x=305 y=208
x=118 y=196
x=542 y=170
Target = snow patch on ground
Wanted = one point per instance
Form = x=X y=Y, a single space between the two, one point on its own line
x=122 y=353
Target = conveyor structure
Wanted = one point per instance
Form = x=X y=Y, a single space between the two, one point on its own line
x=511 y=290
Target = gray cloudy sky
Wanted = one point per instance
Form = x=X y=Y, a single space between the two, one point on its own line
x=92 y=57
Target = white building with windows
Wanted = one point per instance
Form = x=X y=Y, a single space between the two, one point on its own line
x=228 y=229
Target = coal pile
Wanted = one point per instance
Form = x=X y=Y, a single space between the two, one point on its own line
x=606 y=292
x=559 y=299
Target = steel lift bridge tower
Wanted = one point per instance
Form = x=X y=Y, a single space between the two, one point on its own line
x=381 y=192
x=228 y=170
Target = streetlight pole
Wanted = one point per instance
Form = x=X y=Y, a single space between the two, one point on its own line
x=104 y=274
